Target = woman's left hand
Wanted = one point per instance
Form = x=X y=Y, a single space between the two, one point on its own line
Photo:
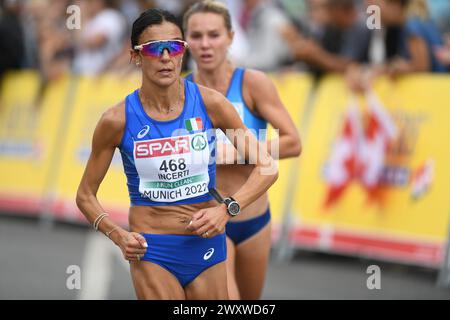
x=209 y=222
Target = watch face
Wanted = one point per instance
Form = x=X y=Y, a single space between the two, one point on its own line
x=234 y=208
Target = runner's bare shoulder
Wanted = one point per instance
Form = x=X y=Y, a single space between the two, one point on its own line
x=214 y=102
x=112 y=124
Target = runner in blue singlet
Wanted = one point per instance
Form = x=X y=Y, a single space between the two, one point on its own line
x=165 y=131
x=209 y=34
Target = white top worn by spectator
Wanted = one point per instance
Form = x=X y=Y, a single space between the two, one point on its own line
x=239 y=47
x=92 y=61
x=173 y=6
x=267 y=49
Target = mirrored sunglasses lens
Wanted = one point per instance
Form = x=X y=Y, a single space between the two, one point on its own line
x=175 y=48
x=157 y=48
x=152 y=49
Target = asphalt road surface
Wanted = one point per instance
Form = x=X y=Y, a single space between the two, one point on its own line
x=40 y=262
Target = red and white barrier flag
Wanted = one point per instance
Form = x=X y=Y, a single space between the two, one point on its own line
x=342 y=165
x=380 y=130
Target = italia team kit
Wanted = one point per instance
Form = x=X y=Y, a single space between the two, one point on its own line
x=172 y=163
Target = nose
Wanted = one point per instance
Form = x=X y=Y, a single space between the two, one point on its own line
x=205 y=42
x=165 y=55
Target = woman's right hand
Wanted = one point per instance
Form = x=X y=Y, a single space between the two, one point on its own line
x=132 y=244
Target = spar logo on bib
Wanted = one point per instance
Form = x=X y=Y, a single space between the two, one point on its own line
x=198 y=142
x=162 y=147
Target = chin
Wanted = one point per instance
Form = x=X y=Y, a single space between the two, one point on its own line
x=208 y=66
x=165 y=81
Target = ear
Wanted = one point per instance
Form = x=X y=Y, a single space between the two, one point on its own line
x=134 y=56
x=231 y=36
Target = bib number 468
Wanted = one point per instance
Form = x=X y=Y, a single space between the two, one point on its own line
x=173 y=165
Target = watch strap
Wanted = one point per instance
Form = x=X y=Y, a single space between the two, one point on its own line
x=216 y=195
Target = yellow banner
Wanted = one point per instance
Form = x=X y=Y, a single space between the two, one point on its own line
x=29 y=122
x=374 y=173
x=93 y=97
x=293 y=89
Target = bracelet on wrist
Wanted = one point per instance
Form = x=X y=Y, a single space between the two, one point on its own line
x=108 y=233
x=98 y=220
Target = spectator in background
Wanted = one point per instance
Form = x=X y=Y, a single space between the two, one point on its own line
x=439 y=11
x=131 y=9
x=341 y=17
x=262 y=22
x=12 y=49
x=325 y=50
x=100 y=39
x=318 y=17
x=443 y=55
x=239 y=48
x=423 y=39
x=377 y=47
x=404 y=44
x=55 y=42
x=440 y=14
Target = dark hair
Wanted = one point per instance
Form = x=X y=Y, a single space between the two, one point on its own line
x=345 y=4
x=405 y=3
x=111 y=4
x=149 y=18
x=402 y=3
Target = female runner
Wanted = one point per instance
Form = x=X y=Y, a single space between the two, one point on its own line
x=208 y=29
x=176 y=246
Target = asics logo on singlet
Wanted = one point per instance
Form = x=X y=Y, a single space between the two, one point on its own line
x=208 y=254
x=143 y=132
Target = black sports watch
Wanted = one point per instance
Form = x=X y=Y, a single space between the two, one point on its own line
x=233 y=208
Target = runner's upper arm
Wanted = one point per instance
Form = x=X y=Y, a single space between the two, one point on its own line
x=270 y=107
x=107 y=136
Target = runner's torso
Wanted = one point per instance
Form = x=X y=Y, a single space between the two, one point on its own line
x=168 y=164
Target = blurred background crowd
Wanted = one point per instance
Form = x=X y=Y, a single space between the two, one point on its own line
x=317 y=36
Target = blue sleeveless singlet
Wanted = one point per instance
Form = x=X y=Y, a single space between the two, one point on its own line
x=169 y=162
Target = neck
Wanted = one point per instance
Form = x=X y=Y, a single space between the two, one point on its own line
x=161 y=99
x=218 y=78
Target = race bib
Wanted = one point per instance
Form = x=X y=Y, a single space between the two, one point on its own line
x=173 y=169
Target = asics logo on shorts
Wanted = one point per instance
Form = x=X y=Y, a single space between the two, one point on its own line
x=208 y=254
x=143 y=132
